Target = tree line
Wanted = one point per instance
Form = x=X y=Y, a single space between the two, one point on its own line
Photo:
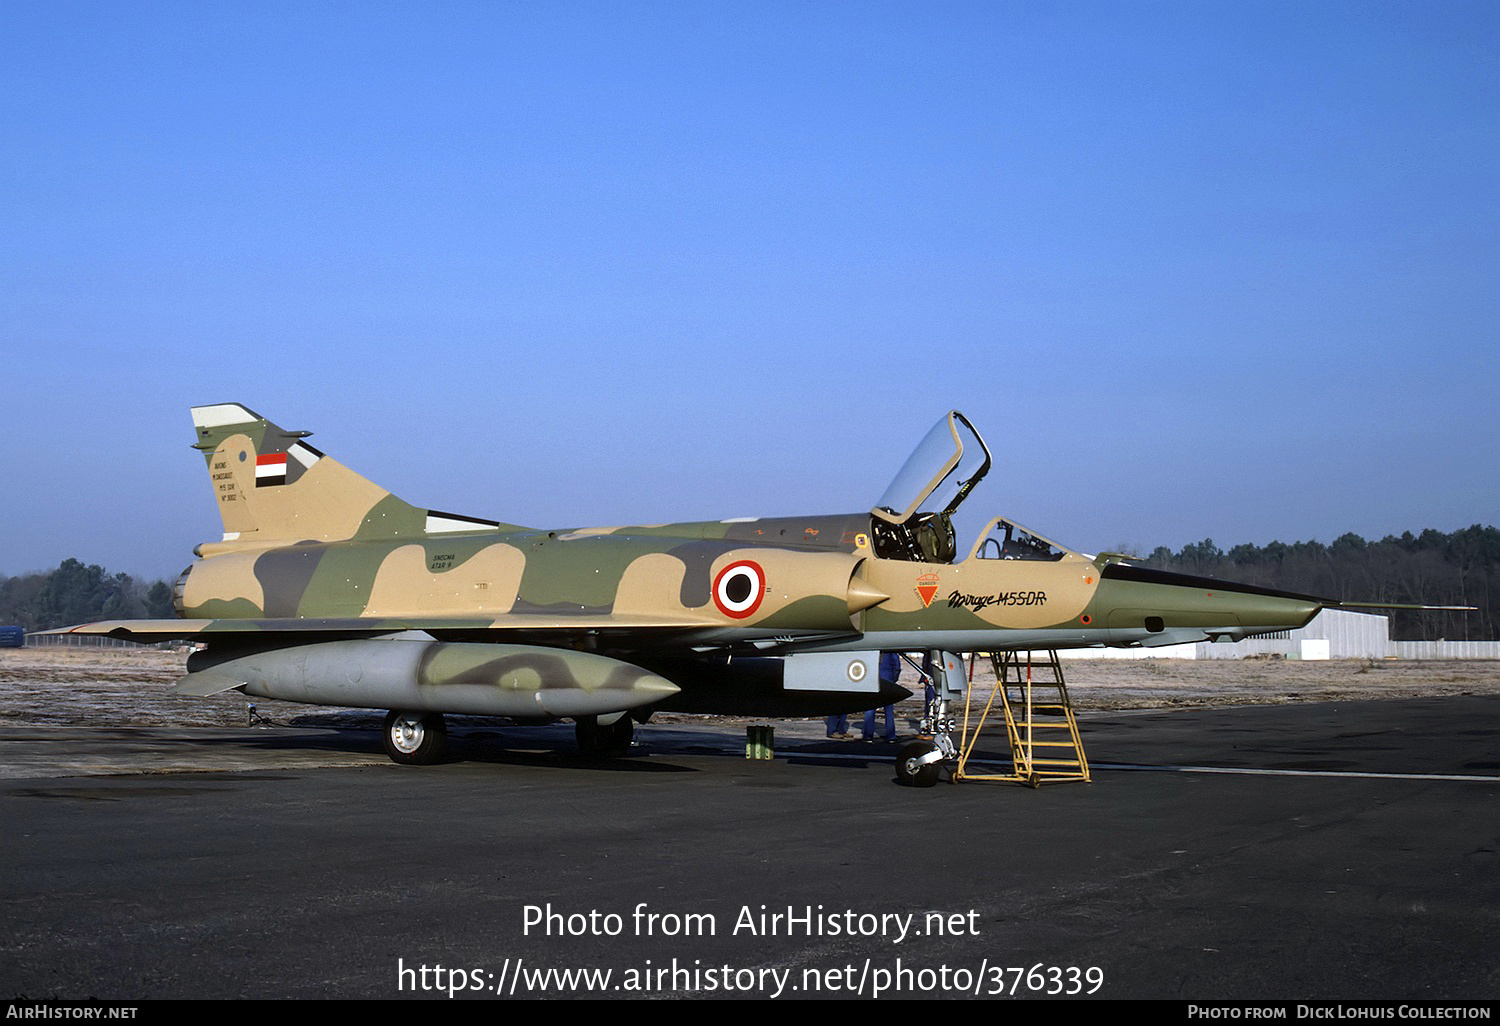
x=75 y=593
x=1431 y=568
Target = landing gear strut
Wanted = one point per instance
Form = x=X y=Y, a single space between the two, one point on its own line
x=919 y=762
x=598 y=740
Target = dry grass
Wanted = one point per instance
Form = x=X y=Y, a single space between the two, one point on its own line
x=118 y=687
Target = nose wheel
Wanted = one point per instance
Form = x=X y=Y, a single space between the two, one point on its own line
x=917 y=764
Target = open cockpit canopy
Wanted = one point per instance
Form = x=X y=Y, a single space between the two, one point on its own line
x=914 y=518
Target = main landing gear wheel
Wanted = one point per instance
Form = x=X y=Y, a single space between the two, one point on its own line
x=604 y=741
x=414 y=739
x=911 y=771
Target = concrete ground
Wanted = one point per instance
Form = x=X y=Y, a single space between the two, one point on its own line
x=1326 y=850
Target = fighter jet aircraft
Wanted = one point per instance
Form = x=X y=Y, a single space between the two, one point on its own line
x=326 y=588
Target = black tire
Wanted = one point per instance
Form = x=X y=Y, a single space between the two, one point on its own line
x=414 y=739
x=908 y=773
x=604 y=742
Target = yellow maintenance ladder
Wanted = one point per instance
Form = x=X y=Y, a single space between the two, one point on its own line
x=1041 y=728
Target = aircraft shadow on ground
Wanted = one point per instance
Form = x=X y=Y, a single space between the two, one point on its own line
x=519 y=746
x=480 y=740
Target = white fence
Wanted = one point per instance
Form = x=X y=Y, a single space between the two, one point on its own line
x=80 y=641
x=1332 y=634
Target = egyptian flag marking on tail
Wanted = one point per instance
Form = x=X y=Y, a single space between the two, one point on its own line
x=279 y=468
x=270 y=469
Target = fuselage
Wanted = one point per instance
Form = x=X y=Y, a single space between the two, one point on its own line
x=818 y=579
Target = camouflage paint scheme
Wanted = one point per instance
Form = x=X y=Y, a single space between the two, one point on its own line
x=705 y=616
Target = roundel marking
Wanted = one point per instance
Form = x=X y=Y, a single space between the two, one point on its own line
x=857 y=671
x=739 y=588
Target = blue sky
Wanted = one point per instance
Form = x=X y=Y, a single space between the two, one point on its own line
x=1225 y=270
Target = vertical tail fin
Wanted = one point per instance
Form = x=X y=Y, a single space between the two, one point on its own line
x=273 y=488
